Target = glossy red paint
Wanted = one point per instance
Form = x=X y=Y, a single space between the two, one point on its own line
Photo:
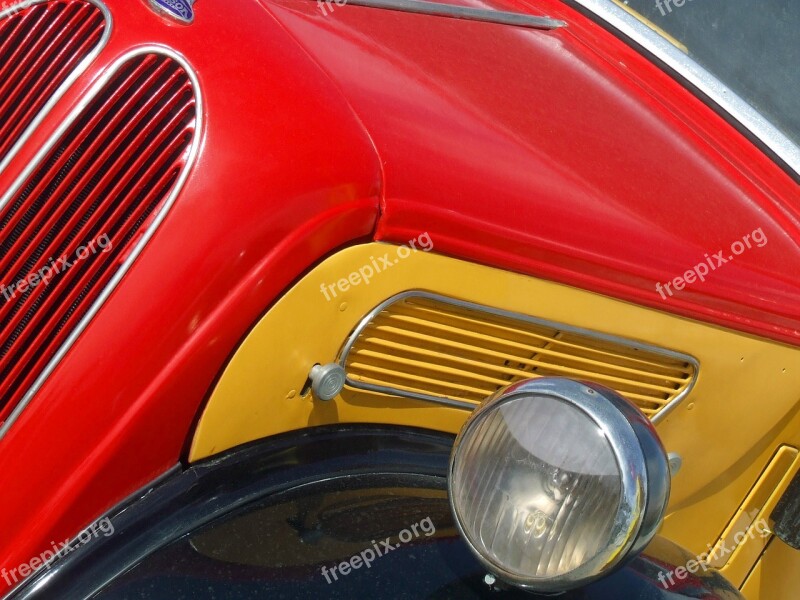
x=560 y=154
x=286 y=175
x=565 y=155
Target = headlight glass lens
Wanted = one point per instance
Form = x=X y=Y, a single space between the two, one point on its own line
x=536 y=487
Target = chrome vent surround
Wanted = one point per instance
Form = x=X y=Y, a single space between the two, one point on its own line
x=103 y=183
x=44 y=46
x=429 y=347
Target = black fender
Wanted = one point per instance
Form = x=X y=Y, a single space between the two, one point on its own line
x=331 y=492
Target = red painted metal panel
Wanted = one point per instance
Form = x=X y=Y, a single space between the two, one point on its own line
x=561 y=154
x=285 y=175
x=564 y=155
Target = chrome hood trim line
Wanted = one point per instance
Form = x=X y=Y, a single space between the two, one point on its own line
x=452 y=11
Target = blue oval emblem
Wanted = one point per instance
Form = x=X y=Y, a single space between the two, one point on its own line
x=182 y=10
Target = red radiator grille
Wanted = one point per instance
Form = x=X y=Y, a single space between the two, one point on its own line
x=107 y=175
x=40 y=46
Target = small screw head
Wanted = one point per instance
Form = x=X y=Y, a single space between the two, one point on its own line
x=675 y=463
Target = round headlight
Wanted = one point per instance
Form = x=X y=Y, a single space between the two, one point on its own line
x=553 y=483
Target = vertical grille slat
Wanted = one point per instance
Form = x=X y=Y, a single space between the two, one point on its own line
x=31 y=329
x=20 y=48
x=109 y=174
x=42 y=226
x=64 y=160
x=45 y=34
x=40 y=47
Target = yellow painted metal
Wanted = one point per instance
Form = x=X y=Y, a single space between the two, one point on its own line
x=744 y=405
x=775 y=576
x=747 y=553
x=771 y=484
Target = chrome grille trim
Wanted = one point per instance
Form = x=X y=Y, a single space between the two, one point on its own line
x=147 y=233
x=461 y=404
x=59 y=93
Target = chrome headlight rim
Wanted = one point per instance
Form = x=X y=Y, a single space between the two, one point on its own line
x=641 y=505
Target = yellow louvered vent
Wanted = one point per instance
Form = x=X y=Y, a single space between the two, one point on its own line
x=424 y=346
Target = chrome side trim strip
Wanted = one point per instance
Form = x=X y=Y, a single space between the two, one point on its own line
x=731 y=106
x=436 y=9
x=351 y=340
x=148 y=233
x=79 y=70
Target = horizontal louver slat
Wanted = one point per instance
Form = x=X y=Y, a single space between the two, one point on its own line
x=423 y=345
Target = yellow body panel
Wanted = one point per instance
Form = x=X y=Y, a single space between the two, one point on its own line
x=742 y=408
x=776 y=576
x=747 y=553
